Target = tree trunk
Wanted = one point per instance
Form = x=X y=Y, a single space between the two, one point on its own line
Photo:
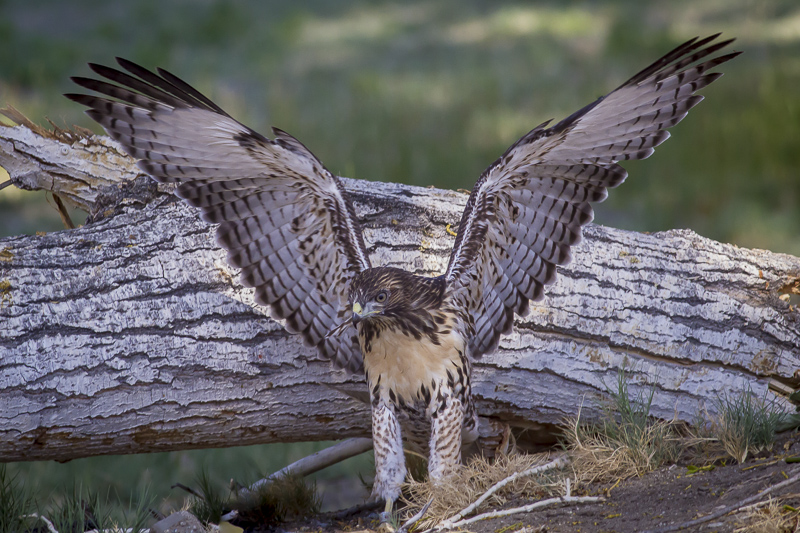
x=132 y=334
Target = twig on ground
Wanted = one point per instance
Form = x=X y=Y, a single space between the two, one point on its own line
x=458 y=520
x=765 y=463
x=229 y=516
x=765 y=502
x=614 y=486
x=310 y=464
x=561 y=461
x=317 y=461
x=524 y=509
x=190 y=490
x=416 y=518
x=50 y=526
x=735 y=507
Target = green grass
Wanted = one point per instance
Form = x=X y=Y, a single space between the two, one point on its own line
x=211 y=502
x=123 y=480
x=75 y=510
x=16 y=501
x=625 y=440
x=285 y=497
x=627 y=422
x=746 y=424
x=427 y=93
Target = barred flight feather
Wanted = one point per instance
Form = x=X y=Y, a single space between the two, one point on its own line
x=288 y=224
x=538 y=192
x=284 y=219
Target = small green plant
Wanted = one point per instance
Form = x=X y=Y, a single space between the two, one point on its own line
x=281 y=499
x=626 y=441
x=791 y=420
x=75 y=510
x=15 y=503
x=745 y=424
x=137 y=514
x=209 y=504
x=79 y=511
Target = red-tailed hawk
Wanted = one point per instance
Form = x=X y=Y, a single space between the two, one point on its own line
x=288 y=224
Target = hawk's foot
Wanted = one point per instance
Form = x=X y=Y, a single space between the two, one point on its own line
x=386 y=525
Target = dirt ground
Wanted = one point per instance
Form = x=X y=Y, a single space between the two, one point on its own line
x=665 y=497
x=668 y=496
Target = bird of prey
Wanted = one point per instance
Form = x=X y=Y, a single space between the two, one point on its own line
x=287 y=223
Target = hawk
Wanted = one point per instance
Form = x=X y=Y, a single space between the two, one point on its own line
x=288 y=224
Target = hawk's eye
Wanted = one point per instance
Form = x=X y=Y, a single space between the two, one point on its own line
x=381 y=297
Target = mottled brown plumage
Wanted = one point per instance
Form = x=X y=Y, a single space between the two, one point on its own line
x=288 y=224
x=414 y=357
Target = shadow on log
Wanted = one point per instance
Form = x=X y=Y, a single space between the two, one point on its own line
x=132 y=334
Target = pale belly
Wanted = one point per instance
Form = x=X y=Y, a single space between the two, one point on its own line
x=407 y=366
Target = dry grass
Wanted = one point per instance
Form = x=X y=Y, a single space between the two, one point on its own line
x=600 y=455
x=773 y=517
x=746 y=424
x=284 y=498
x=625 y=442
x=476 y=477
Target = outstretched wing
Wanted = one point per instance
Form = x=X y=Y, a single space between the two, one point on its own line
x=528 y=207
x=284 y=219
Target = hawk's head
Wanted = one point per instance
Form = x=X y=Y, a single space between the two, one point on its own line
x=387 y=294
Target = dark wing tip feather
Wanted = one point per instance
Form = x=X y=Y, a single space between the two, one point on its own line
x=80 y=98
x=674 y=54
x=106 y=72
x=165 y=82
x=679 y=57
x=629 y=126
x=86 y=83
x=236 y=177
x=292 y=144
x=187 y=89
x=139 y=84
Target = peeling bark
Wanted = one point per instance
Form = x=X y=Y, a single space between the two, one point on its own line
x=132 y=334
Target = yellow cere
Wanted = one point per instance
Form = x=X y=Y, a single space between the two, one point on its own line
x=357 y=308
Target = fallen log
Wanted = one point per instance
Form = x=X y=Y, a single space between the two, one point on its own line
x=132 y=334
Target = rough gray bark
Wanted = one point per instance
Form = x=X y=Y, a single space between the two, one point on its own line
x=132 y=334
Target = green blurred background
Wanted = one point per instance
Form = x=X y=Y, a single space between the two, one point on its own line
x=430 y=93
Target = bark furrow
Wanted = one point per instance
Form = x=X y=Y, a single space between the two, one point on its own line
x=132 y=334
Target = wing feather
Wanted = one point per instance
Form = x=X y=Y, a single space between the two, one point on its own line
x=527 y=209
x=284 y=219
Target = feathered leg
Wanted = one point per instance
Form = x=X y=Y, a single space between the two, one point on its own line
x=390 y=463
x=445 y=442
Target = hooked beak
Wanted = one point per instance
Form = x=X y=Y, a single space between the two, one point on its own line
x=360 y=313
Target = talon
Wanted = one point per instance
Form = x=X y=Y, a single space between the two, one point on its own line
x=386 y=519
x=449 y=230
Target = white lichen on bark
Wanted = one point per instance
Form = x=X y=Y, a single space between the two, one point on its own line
x=132 y=334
